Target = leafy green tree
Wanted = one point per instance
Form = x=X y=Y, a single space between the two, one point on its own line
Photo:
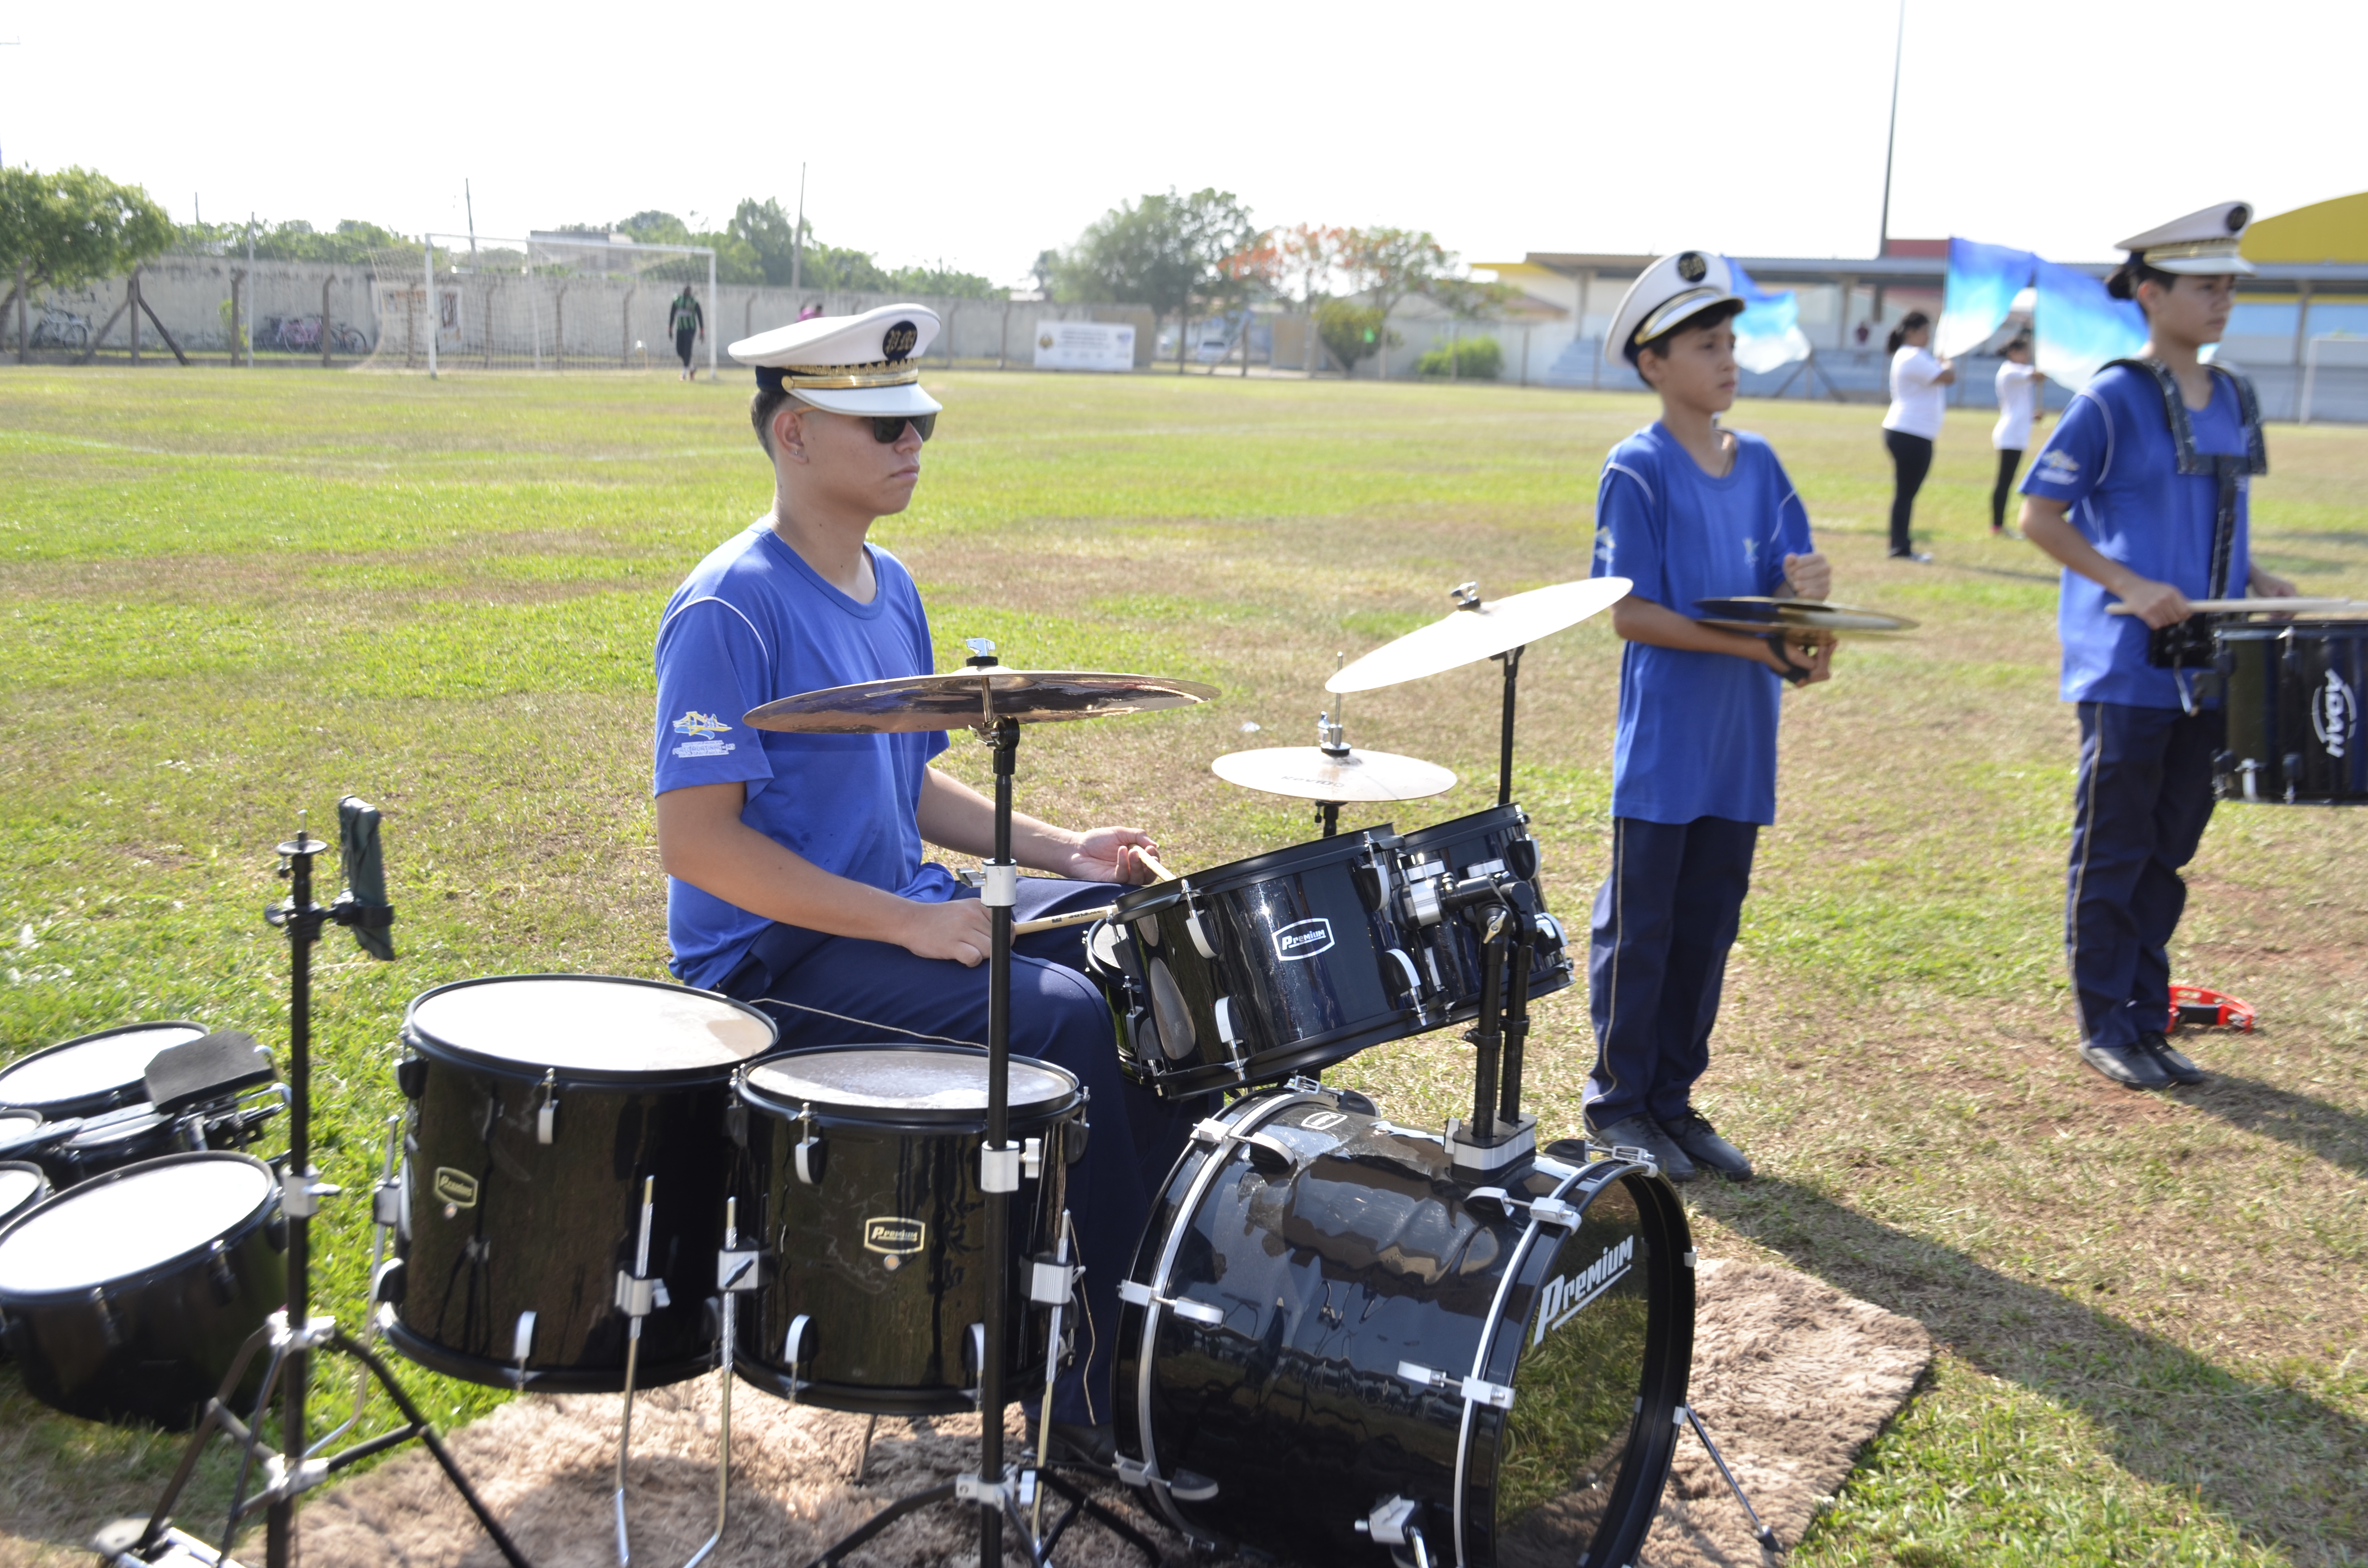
x=771 y=236
x=76 y=225
x=1166 y=251
x=353 y=242
x=1352 y=332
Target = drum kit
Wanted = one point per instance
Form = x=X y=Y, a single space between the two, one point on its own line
x=1339 y=1338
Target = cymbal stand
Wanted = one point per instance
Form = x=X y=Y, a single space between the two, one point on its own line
x=1331 y=739
x=298 y=1467
x=1511 y=660
x=1498 y=1134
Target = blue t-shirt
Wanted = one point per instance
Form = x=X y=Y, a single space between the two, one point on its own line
x=1697 y=732
x=2112 y=459
x=753 y=622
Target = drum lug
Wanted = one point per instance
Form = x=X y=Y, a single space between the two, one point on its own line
x=794 y=1351
x=639 y=1298
x=386 y=1203
x=1080 y=1128
x=111 y=1327
x=1031 y=1158
x=219 y=1275
x=411 y=1076
x=386 y=1286
x=1394 y=1522
x=1192 y=926
x=522 y=1339
x=808 y=1152
x=1476 y=1390
x=975 y=1359
x=546 y=1110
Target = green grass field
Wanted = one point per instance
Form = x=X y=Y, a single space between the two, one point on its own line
x=227 y=597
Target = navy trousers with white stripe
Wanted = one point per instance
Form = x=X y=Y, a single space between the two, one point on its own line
x=1657 y=959
x=2138 y=813
x=840 y=991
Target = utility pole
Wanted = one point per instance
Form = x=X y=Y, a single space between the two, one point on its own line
x=1890 y=138
x=469 y=202
x=798 y=239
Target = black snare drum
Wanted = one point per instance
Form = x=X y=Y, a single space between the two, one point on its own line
x=1327 y=1324
x=91 y=1073
x=1449 y=949
x=1251 y=971
x=540 y=1105
x=2292 y=695
x=127 y=1298
x=114 y=1139
x=866 y=1196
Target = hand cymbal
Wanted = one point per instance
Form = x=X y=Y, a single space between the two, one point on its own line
x=1493 y=626
x=1311 y=773
x=1756 y=614
x=966 y=698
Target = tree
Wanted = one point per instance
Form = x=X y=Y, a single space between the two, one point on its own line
x=771 y=234
x=76 y=225
x=1165 y=252
x=1352 y=332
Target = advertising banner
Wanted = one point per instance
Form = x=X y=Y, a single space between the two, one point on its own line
x=1083 y=345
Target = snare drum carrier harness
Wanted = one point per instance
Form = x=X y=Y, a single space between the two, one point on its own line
x=2188 y=644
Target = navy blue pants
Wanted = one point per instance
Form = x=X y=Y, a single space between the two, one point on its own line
x=2138 y=813
x=839 y=991
x=1664 y=921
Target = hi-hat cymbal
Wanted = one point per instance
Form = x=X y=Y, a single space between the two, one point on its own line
x=1493 y=626
x=1755 y=614
x=963 y=699
x=1311 y=773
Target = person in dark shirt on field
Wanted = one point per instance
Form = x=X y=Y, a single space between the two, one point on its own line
x=689 y=323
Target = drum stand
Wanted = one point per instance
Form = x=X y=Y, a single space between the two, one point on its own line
x=1498 y=1134
x=141 y=1543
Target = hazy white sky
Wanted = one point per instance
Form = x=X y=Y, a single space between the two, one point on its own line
x=946 y=131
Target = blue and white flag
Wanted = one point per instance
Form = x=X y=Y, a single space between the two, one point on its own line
x=1983 y=282
x=1768 y=332
x=2079 y=327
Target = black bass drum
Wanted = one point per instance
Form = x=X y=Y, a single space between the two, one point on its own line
x=540 y=1105
x=127 y=1299
x=92 y=1073
x=873 y=1225
x=1329 y=1327
x=1249 y=973
x=2293 y=698
x=1497 y=839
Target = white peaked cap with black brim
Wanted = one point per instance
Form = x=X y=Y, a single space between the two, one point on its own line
x=867 y=365
x=2202 y=244
x=1672 y=290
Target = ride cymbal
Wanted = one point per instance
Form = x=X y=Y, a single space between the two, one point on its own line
x=964 y=699
x=1311 y=773
x=1480 y=630
x=1761 y=614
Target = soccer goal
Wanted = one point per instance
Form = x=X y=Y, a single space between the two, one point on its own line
x=565 y=300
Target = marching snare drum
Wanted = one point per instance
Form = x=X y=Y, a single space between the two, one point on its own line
x=1449 y=949
x=91 y=1073
x=540 y=1105
x=2292 y=695
x=1249 y=973
x=1331 y=1336
x=127 y=1298
x=866 y=1195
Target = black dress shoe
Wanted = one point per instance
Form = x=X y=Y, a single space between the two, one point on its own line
x=1074 y=1444
x=2173 y=1061
x=1641 y=1131
x=1694 y=1135
x=2132 y=1067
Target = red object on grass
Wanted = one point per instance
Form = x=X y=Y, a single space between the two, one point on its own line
x=2208 y=1009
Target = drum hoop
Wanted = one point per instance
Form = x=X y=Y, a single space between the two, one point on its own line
x=1343 y=849
x=1456 y=827
x=1035 y=1113
x=81 y=1040
x=254 y=1220
x=42 y=1188
x=1248 y=1115
x=436 y=1048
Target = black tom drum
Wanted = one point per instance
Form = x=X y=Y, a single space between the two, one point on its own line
x=1497 y=839
x=22 y=1185
x=91 y=1073
x=867 y=1197
x=2293 y=694
x=127 y=1298
x=1327 y=1325
x=541 y=1104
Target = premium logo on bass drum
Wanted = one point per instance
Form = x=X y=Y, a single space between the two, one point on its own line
x=1302 y=940
x=897 y=1236
x=1567 y=1294
x=455 y=1189
x=2334 y=714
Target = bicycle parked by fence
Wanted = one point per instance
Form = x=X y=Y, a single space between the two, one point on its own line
x=61 y=329
x=301 y=335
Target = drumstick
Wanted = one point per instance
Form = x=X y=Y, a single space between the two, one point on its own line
x=1055 y=921
x=1159 y=871
x=2259 y=606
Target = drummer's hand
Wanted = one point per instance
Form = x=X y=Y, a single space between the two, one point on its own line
x=2270 y=585
x=956 y=929
x=2156 y=604
x=1108 y=855
x=1810 y=576
x=1815 y=653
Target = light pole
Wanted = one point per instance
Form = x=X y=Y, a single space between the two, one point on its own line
x=1890 y=138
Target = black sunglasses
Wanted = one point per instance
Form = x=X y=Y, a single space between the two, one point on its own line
x=889 y=430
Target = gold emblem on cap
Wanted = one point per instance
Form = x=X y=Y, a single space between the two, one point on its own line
x=843 y=377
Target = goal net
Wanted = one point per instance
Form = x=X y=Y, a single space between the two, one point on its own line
x=550 y=302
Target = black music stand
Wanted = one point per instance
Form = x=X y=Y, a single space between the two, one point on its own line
x=290 y=1336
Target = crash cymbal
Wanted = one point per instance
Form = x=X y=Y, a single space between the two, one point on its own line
x=1756 y=614
x=1481 y=630
x=963 y=699
x=1311 y=773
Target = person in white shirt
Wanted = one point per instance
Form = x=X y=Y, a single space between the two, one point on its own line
x=2020 y=389
x=1918 y=383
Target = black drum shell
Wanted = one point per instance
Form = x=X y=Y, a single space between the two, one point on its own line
x=551 y=1225
x=165 y=1338
x=2292 y=692
x=110 y=1140
x=1291 y=1014
x=97 y=1097
x=1449 y=951
x=889 y=1338
x=1303 y=1446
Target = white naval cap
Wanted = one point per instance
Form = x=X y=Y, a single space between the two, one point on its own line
x=1673 y=289
x=2202 y=242
x=867 y=364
